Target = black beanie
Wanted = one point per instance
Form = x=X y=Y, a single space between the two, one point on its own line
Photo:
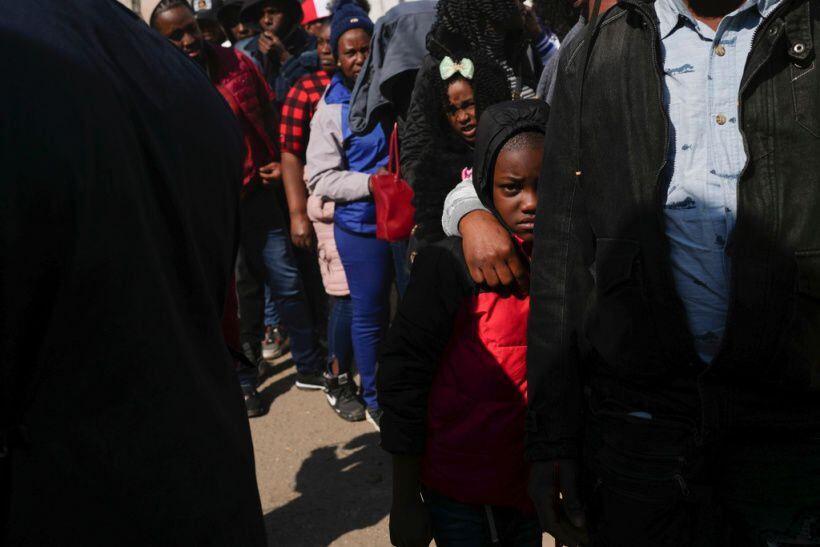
x=347 y=15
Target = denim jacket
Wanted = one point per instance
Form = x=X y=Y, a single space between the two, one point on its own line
x=604 y=303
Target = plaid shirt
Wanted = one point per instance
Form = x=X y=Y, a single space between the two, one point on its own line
x=298 y=110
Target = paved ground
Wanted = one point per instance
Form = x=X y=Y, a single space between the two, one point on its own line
x=322 y=481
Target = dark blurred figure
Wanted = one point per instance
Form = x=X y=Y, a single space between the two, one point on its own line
x=209 y=24
x=119 y=406
x=558 y=15
x=228 y=16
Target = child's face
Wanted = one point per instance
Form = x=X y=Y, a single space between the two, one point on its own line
x=515 y=181
x=461 y=110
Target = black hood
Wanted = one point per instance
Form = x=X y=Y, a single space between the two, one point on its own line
x=252 y=11
x=498 y=124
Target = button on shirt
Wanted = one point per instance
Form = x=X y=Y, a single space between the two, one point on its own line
x=703 y=70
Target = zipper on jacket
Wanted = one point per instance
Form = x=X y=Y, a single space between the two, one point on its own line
x=761 y=29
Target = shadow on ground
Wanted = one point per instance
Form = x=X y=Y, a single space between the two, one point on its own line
x=281 y=386
x=337 y=494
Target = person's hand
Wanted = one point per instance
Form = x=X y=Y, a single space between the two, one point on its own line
x=301 y=230
x=491 y=253
x=381 y=171
x=410 y=522
x=271 y=172
x=562 y=517
x=270 y=44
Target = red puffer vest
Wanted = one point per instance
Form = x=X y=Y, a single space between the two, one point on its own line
x=244 y=88
x=477 y=406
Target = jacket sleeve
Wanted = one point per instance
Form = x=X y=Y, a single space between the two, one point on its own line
x=326 y=165
x=414 y=346
x=560 y=286
x=461 y=201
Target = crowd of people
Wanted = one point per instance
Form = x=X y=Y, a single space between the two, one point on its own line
x=602 y=325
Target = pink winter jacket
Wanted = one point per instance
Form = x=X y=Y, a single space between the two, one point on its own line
x=330 y=264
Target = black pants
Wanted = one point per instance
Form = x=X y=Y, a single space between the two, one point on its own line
x=657 y=481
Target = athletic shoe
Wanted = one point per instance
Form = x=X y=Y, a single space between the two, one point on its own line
x=253 y=404
x=274 y=345
x=311 y=381
x=341 y=395
x=374 y=416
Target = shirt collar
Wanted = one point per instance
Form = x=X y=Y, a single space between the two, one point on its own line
x=673 y=13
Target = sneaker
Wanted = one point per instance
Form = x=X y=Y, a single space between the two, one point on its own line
x=374 y=416
x=253 y=404
x=311 y=381
x=341 y=395
x=274 y=344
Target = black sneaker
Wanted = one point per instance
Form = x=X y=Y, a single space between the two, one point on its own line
x=374 y=416
x=310 y=381
x=253 y=404
x=274 y=344
x=341 y=395
x=253 y=352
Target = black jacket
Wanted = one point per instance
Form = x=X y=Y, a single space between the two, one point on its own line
x=119 y=402
x=602 y=288
x=438 y=285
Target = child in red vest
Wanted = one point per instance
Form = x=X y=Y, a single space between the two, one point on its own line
x=452 y=374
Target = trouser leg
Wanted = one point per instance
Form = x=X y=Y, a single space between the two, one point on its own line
x=339 y=335
x=369 y=270
x=286 y=289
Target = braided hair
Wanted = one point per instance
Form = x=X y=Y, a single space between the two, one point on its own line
x=167 y=5
x=489 y=85
x=483 y=24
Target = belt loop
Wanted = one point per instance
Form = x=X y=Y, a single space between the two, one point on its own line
x=491 y=522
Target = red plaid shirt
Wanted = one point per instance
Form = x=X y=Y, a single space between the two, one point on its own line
x=298 y=110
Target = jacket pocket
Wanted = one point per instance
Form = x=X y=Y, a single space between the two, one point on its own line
x=619 y=325
x=805 y=93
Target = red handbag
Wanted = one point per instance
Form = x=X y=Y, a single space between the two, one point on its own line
x=394 y=199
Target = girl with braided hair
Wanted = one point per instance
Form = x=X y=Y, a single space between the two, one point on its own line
x=490 y=33
x=452 y=109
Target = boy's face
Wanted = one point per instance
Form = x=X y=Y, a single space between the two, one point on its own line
x=272 y=18
x=515 y=180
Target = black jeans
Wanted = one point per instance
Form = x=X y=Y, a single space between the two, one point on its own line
x=457 y=524
x=656 y=481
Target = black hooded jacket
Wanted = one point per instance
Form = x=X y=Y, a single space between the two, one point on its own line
x=432 y=155
x=439 y=283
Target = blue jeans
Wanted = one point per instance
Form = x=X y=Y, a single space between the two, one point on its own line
x=266 y=259
x=272 y=318
x=368 y=264
x=339 y=335
x=457 y=524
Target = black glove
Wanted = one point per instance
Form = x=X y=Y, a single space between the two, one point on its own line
x=562 y=516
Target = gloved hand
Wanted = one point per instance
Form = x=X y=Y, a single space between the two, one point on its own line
x=555 y=492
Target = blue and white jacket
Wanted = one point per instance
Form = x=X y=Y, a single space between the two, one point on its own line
x=339 y=163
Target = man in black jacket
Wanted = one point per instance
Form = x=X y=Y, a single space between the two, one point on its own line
x=121 y=420
x=676 y=279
